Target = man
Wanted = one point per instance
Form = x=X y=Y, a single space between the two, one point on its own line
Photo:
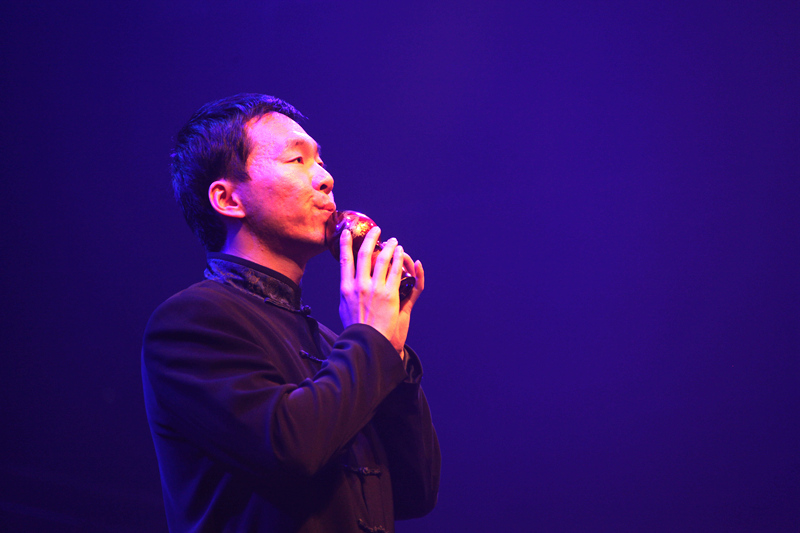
x=263 y=419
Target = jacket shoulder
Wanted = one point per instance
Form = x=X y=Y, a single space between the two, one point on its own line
x=205 y=296
x=201 y=308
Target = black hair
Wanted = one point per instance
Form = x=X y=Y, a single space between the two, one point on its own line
x=215 y=145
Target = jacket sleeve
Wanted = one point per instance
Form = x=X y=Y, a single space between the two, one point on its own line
x=211 y=378
x=407 y=433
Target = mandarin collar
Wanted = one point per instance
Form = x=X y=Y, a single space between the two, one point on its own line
x=271 y=286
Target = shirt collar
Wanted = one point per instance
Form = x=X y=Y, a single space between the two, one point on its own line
x=273 y=287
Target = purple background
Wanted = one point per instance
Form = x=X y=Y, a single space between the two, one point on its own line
x=604 y=195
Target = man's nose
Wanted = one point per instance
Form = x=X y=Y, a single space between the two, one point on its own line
x=323 y=181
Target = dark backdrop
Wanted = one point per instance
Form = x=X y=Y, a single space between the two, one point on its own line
x=604 y=196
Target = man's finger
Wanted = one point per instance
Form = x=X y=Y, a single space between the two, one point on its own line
x=364 y=263
x=419 y=273
x=346 y=256
x=419 y=286
x=383 y=261
x=408 y=263
x=396 y=270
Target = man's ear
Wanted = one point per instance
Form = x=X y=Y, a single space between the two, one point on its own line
x=225 y=200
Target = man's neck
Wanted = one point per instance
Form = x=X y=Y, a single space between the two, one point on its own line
x=260 y=254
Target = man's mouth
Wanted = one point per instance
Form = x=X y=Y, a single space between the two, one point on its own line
x=327 y=206
x=330 y=227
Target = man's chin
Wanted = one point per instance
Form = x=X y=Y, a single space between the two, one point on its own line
x=313 y=247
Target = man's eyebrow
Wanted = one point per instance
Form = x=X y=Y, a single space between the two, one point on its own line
x=301 y=141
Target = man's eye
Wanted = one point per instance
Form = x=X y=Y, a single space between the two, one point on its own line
x=297 y=160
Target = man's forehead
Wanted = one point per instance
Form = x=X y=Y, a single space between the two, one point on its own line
x=275 y=132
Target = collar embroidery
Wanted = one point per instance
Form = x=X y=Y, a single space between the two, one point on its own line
x=273 y=291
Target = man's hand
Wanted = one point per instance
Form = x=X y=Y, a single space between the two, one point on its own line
x=373 y=298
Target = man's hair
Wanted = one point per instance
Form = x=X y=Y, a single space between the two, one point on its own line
x=214 y=145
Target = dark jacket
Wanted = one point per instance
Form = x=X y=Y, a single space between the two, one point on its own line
x=264 y=420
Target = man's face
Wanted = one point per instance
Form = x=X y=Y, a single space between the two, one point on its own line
x=289 y=196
